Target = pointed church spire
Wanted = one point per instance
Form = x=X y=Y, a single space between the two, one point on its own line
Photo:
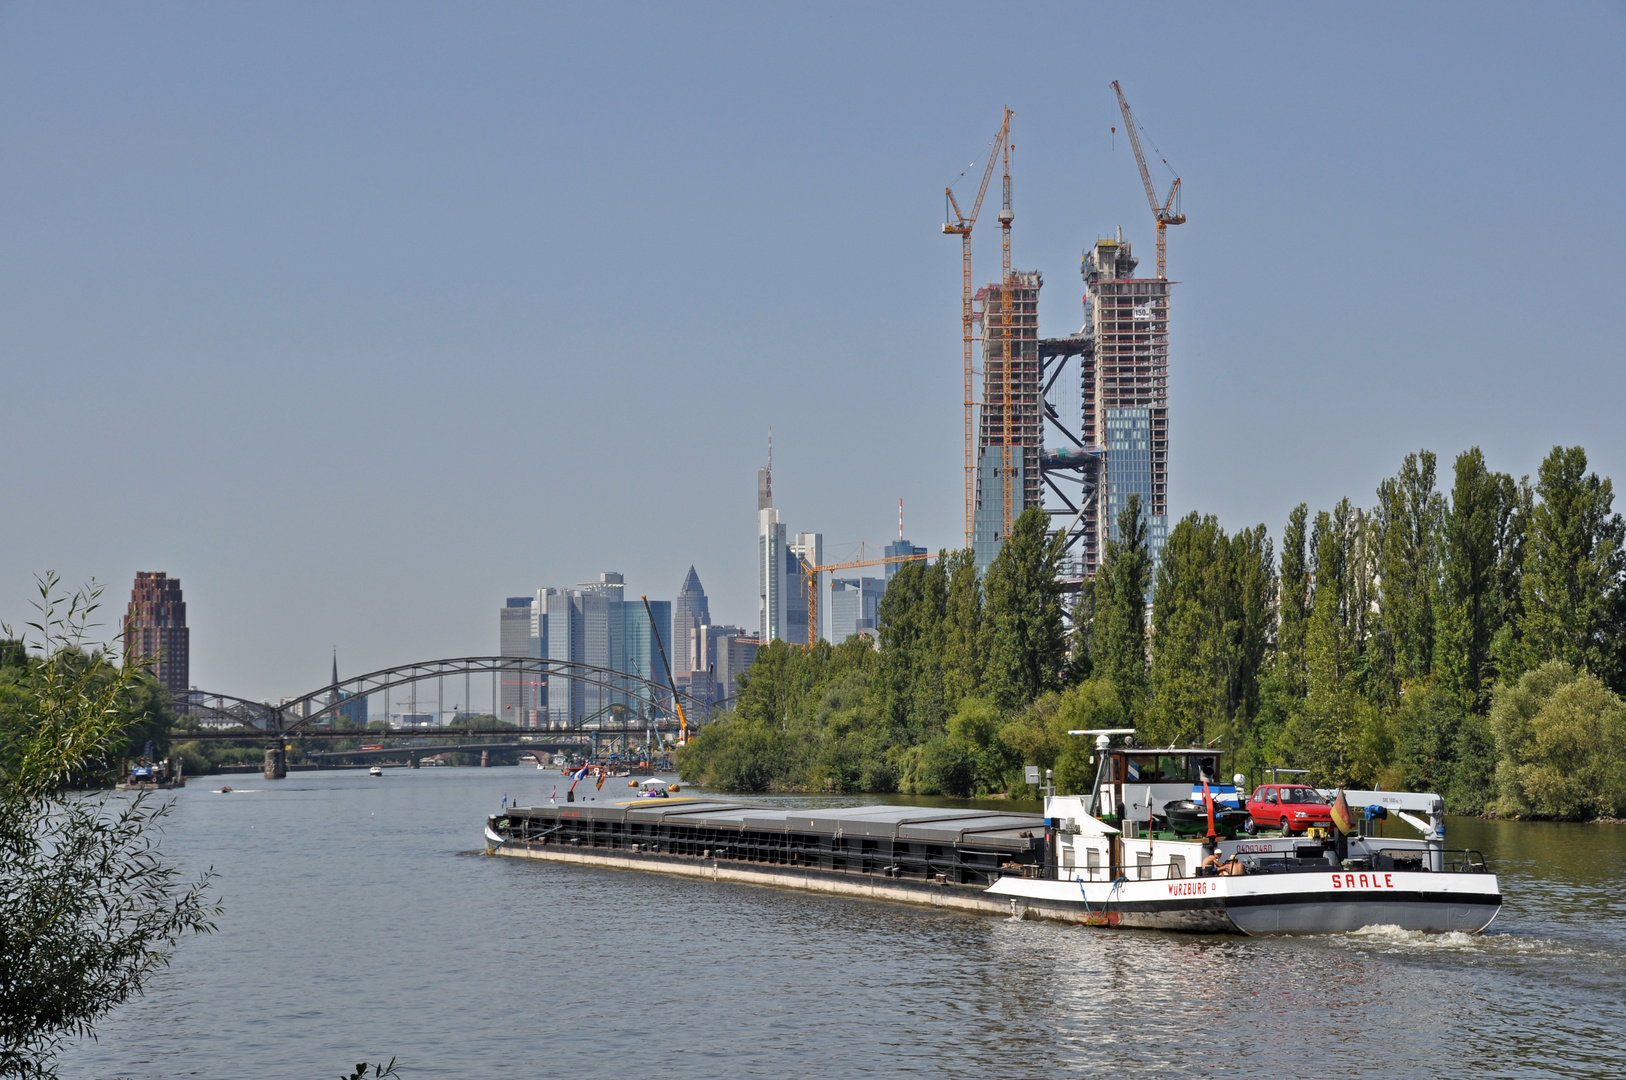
x=335 y=665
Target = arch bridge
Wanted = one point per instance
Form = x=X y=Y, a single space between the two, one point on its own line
x=305 y=715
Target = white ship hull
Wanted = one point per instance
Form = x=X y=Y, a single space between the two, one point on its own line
x=1309 y=902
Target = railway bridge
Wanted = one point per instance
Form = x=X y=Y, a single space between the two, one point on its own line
x=312 y=715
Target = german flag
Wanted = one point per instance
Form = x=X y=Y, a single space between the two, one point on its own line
x=1340 y=814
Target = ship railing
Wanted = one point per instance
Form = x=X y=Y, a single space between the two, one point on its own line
x=1465 y=861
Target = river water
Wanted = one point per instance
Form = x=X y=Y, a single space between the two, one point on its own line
x=361 y=922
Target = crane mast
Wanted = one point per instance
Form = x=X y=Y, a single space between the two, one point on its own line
x=1165 y=214
x=1006 y=216
x=960 y=225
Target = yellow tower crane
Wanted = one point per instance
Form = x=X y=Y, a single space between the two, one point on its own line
x=810 y=576
x=960 y=225
x=1166 y=214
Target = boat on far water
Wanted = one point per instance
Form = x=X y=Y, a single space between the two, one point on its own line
x=376 y=770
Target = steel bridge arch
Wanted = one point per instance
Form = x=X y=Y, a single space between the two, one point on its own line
x=292 y=714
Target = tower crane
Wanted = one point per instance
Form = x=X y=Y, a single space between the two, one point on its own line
x=960 y=225
x=1166 y=214
x=677 y=699
x=810 y=575
x=1006 y=398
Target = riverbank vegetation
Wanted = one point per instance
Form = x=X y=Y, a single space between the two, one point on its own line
x=1469 y=641
x=91 y=907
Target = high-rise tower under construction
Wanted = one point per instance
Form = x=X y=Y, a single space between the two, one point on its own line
x=1010 y=422
x=1124 y=387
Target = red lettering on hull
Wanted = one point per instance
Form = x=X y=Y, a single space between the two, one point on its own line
x=1363 y=881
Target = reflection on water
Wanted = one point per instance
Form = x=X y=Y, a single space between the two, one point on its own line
x=353 y=928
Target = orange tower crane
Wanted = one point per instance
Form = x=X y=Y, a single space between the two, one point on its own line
x=960 y=225
x=1165 y=214
x=810 y=574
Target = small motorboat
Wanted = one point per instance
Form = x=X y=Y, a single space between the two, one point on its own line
x=655 y=788
x=376 y=770
x=226 y=789
x=1189 y=817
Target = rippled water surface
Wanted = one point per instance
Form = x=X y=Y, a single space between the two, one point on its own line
x=360 y=922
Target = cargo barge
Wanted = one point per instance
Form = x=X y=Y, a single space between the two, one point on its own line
x=938 y=856
x=1135 y=865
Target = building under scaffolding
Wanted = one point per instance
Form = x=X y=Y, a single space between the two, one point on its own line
x=1010 y=427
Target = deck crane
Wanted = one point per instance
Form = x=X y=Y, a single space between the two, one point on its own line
x=810 y=575
x=1166 y=214
x=960 y=225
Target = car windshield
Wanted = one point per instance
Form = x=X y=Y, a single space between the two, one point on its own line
x=1302 y=795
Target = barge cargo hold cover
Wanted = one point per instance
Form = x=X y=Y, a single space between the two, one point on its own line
x=943 y=856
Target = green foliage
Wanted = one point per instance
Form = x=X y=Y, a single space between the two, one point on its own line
x=1481 y=546
x=1210 y=630
x=1561 y=740
x=1406 y=527
x=91 y=909
x=1574 y=563
x=1371 y=653
x=1027 y=648
x=1120 y=610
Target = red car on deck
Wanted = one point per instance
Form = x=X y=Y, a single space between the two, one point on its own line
x=1291 y=808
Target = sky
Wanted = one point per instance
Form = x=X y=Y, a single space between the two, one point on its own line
x=359 y=318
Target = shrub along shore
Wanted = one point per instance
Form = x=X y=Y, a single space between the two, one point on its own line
x=1471 y=643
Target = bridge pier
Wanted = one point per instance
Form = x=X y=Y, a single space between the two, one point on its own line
x=276 y=763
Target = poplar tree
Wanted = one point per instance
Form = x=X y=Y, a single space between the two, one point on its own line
x=1407 y=522
x=1027 y=646
x=1574 y=564
x=1481 y=547
x=1294 y=603
x=1120 y=610
x=964 y=643
x=1196 y=628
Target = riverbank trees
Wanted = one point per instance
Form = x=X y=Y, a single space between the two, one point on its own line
x=90 y=907
x=1374 y=648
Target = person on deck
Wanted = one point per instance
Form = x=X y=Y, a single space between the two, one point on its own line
x=1216 y=865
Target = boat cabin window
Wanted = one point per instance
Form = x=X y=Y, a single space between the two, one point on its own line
x=1204 y=768
x=1156 y=769
x=1302 y=795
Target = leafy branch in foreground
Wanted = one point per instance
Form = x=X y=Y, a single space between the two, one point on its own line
x=89 y=908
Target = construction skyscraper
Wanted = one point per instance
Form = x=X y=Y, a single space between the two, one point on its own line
x=1010 y=418
x=1125 y=394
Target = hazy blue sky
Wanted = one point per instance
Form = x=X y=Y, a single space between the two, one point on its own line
x=360 y=318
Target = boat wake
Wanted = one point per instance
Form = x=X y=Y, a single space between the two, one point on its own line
x=1394 y=939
